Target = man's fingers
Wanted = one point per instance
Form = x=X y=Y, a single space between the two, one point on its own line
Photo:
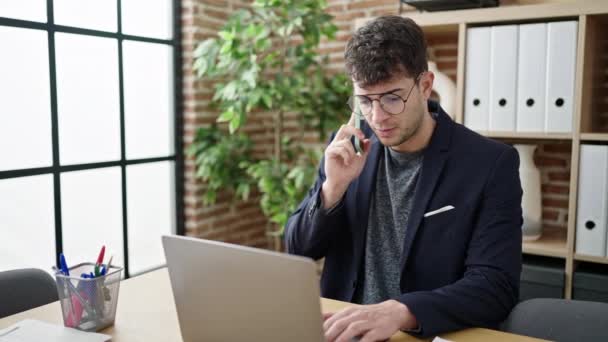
x=337 y=316
x=354 y=329
x=344 y=149
x=351 y=120
x=373 y=336
x=346 y=131
x=338 y=328
x=327 y=315
x=340 y=151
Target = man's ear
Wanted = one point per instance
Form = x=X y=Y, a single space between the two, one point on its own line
x=426 y=84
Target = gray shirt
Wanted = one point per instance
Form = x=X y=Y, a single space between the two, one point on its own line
x=390 y=208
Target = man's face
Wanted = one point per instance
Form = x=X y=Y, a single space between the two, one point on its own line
x=394 y=129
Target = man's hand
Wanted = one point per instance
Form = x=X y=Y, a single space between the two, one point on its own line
x=376 y=322
x=342 y=164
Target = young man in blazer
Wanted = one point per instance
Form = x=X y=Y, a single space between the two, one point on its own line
x=423 y=228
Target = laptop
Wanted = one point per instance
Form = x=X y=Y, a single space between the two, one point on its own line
x=226 y=292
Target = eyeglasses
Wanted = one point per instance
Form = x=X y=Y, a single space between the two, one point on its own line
x=389 y=102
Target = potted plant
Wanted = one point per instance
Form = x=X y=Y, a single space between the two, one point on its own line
x=265 y=59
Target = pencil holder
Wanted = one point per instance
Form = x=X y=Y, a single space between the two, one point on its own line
x=88 y=304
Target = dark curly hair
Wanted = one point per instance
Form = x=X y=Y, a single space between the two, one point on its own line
x=386 y=46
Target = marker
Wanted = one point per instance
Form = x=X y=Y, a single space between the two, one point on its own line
x=63 y=265
x=99 y=260
x=106 y=268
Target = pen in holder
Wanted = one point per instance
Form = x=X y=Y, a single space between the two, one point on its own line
x=88 y=304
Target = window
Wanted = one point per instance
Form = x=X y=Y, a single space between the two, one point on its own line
x=90 y=131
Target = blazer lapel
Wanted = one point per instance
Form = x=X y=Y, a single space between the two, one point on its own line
x=433 y=162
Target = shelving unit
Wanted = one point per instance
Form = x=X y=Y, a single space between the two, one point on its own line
x=589 y=258
x=552 y=243
x=594 y=136
x=590 y=119
x=526 y=135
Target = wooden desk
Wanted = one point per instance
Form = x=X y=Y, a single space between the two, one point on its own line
x=146 y=312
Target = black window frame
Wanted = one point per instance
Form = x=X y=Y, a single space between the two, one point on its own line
x=56 y=169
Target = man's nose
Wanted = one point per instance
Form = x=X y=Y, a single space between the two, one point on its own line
x=377 y=113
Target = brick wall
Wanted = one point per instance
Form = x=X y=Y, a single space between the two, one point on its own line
x=244 y=223
x=241 y=223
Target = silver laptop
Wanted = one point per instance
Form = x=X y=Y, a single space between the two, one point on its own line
x=226 y=292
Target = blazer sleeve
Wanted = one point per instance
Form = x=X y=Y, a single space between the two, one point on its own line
x=490 y=286
x=311 y=228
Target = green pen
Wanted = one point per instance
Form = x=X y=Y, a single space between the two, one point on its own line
x=357 y=126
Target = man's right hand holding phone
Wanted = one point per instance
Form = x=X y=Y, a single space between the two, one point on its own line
x=342 y=163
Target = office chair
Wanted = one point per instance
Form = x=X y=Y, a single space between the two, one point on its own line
x=25 y=289
x=559 y=320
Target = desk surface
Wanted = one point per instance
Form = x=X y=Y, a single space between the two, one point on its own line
x=146 y=312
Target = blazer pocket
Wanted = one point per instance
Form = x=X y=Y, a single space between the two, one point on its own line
x=439 y=211
x=439 y=221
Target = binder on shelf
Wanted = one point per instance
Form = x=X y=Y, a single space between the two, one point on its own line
x=531 y=78
x=477 y=82
x=592 y=215
x=503 y=77
x=561 y=67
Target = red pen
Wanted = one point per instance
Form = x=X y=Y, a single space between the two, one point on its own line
x=99 y=260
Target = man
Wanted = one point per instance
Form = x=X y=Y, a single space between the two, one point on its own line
x=423 y=228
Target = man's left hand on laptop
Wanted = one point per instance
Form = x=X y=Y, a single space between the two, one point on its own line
x=376 y=322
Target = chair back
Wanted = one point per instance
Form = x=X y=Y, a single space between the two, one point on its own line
x=24 y=289
x=559 y=320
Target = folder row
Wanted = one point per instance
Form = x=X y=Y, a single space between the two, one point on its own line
x=592 y=208
x=521 y=77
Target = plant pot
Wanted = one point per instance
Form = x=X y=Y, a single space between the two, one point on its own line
x=445 y=88
x=531 y=203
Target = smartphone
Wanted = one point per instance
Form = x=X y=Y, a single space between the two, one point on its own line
x=357 y=142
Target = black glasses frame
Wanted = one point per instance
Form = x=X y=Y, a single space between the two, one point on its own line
x=351 y=99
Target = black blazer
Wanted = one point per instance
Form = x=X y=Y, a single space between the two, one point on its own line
x=460 y=268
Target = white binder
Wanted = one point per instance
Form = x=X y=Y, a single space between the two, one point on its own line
x=531 y=78
x=503 y=77
x=561 y=65
x=592 y=208
x=477 y=78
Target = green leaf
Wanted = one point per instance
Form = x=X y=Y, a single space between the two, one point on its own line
x=249 y=76
x=226 y=35
x=263 y=33
x=201 y=66
x=226 y=47
x=243 y=190
x=204 y=47
x=229 y=91
x=226 y=115
x=234 y=124
x=280 y=218
x=267 y=99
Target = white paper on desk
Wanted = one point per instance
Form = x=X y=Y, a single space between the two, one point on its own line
x=30 y=330
x=439 y=339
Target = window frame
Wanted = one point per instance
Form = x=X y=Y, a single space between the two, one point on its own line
x=56 y=169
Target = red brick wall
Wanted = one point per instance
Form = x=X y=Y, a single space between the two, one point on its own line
x=245 y=223
x=553 y=160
